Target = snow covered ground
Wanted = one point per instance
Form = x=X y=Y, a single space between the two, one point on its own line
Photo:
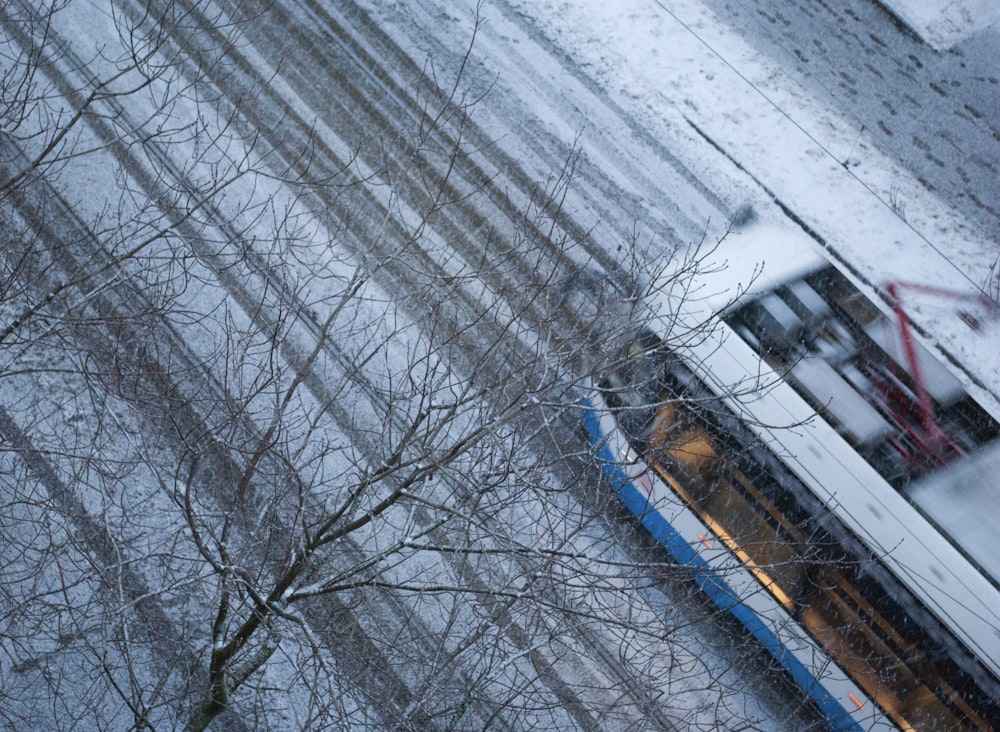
x=942 y=23
x=688 y=694
x=711 y=123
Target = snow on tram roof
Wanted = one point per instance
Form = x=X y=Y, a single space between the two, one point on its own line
x=753 y=260
x=962 y=500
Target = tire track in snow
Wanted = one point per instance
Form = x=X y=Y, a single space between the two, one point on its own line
x=348 y=637
x=396 y=691
x=624 y=677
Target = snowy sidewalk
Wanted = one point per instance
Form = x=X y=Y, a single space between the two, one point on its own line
x=937 y=113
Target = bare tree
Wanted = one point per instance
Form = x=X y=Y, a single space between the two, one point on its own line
x=285 y=404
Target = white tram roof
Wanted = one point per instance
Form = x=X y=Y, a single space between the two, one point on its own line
x=963 y=500
x=755 y=260
x=955 y=590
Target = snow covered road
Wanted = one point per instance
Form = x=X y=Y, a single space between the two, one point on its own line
x=577 y=135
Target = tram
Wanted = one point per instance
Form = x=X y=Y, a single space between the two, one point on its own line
x=790 y=456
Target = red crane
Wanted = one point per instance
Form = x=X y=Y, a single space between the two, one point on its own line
x=934 y=436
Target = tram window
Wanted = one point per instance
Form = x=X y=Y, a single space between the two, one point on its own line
x=816 y=582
